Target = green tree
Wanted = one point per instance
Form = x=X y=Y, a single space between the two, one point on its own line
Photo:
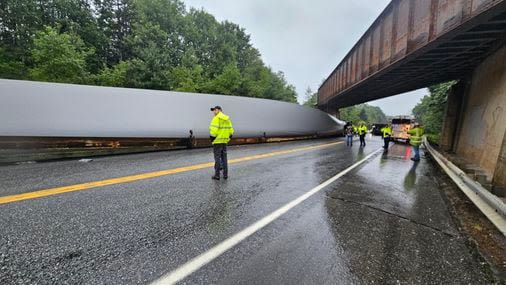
x=228 y=82
x=114 y=76
x=74 y=17
x=59 y=57
x=363 y=112
x=186 y=79
x=19 y=21
x=363 y=115
x=114 y=20
x=310 y=98
x=430 y=110
x=153 y=58
x=376 y=115
x=279 y=89
x=153 y=44
x=10 y=67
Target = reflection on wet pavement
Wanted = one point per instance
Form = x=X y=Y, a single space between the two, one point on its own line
x=394 y=225
x=383 y=222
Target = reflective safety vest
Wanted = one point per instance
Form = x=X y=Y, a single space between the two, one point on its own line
x=362 y=130
x=415 y=138
x=221 y=128
x=387 y=132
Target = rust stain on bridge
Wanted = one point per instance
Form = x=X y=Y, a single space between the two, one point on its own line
x=414 y=44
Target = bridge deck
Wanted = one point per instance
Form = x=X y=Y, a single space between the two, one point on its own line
x=415 y=44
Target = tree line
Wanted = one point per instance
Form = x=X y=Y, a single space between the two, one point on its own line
x=430 y=110
x=358 y=113
x=152 y=44
x=369 y=114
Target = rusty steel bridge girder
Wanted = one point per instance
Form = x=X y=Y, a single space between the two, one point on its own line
x=415 y=44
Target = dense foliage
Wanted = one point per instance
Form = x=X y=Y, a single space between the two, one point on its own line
x=363 y=112
x=430 y=111
x=154 y=44
x=310 y=98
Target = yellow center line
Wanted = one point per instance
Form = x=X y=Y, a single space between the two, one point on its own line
x=137 y=177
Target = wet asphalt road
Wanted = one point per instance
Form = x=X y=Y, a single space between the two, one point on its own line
x=384 y=222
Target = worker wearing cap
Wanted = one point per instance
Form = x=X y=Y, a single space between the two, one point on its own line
x=415 y=140
x=220 y=131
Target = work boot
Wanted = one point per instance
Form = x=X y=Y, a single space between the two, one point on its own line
x=215 y=177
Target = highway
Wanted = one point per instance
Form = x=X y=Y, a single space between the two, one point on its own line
x=140 y=218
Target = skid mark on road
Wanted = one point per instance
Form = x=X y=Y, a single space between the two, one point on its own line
x=143 y=176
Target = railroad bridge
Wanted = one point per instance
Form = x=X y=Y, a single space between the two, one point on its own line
x=417 y=43
x=314 y=210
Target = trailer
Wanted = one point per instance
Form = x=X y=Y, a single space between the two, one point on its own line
x=79 y=120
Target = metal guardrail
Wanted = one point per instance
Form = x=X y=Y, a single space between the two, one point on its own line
x=489 y=204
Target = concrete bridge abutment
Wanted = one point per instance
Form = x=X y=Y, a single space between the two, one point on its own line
x=474 y=127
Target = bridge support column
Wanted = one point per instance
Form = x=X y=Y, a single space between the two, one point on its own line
x=337 y=114
x=453 y=114
x=334 y=112
x=480 y=132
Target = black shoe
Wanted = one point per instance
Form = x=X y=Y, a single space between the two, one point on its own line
x=225 y=177
x=414 y=159
x=215 y=177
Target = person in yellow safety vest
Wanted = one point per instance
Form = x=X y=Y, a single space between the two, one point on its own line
x=387 y=133
x=415 y=139
x=220 y=130
x=362 y=130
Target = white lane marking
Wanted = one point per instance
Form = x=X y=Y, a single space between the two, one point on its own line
x=196 y=263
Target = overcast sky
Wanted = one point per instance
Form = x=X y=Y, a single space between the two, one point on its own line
x=306 y=39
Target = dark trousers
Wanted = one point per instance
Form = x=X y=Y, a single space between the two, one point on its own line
x=386 y=140
x=362 y=140
x=220 y=159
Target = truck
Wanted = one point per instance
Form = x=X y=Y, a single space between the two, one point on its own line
x=400 y=127
x=376 y=129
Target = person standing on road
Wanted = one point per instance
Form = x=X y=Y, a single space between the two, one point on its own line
x=220 y=131
x=387 y=133
x=415 y=140
x=362 y=131
x=349 y=134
